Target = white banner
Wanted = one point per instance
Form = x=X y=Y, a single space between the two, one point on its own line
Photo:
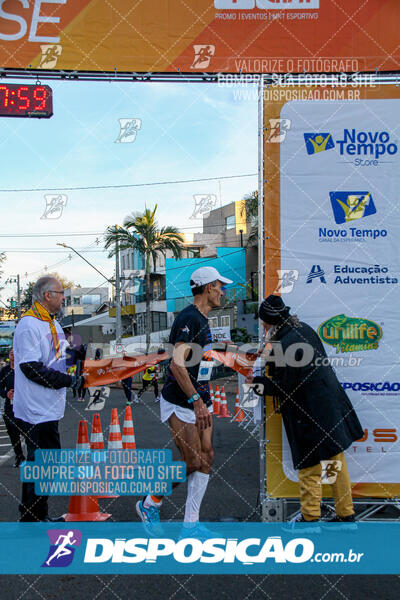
x=340 y=230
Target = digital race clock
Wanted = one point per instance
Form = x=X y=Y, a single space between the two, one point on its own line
x=24 y=100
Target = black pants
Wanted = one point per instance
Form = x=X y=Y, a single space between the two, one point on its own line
x=14 y=429
x=43 y=436
x=146 y=383
x=127 y=387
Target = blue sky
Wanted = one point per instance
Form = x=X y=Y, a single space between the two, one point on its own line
x=189 y=131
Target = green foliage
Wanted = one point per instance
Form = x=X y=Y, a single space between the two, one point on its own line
x=239 y=334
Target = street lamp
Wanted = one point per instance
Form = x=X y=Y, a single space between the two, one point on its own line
x=118 y=324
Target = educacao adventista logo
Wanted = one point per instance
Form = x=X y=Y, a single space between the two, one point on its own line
x=350 y=334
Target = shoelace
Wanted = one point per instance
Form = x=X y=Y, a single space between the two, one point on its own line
x=154 y=514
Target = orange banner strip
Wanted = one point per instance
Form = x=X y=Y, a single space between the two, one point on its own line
x=112 y=370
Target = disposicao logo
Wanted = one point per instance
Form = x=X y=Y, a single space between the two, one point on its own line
x=351 y=206
x=62 y=547
x=191 y=550
x=318 y=142
x=349 y=334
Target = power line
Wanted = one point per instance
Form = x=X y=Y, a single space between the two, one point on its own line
x=101 y=233
x=60 y=233
x=128 y=185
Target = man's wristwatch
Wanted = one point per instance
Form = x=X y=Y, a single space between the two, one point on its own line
x=195 y=397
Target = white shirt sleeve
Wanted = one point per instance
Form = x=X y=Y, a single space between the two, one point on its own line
x=27 y=347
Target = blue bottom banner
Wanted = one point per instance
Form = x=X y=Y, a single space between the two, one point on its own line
x=208 y=548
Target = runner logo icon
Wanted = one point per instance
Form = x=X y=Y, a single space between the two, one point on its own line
x=62 y=547
x=318 y=142
x=350 y=206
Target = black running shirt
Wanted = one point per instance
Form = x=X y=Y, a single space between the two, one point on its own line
x=190 y=326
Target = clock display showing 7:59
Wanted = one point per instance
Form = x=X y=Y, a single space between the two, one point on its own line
x=23 y=100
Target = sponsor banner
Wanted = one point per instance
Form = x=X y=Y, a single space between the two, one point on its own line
x=214 y=36
x=245 y=548
x=332 y=187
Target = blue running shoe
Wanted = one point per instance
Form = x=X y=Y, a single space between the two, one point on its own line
x=299 y=525
x=151 y=519
x=198 y=532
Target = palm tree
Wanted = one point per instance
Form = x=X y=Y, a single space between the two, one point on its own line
x=140 y=232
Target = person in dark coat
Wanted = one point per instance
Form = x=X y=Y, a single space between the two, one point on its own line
x=319 y=419
x=11 y=422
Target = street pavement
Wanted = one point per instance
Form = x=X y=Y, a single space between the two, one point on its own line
x=232 y=494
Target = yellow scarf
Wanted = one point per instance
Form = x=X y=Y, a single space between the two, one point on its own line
x=39 y=312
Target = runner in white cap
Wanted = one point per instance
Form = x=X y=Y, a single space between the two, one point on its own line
x=185 y=401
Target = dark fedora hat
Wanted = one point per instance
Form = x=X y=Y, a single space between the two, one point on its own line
x=273 y=310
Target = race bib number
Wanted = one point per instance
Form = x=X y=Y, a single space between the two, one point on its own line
x=205 y=370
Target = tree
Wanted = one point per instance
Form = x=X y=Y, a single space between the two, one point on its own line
x=140 y=232
x=66 y=283
x=2 y=259
x=26 y=301
x=250 y=211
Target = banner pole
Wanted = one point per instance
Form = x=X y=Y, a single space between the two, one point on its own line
x=262 y=434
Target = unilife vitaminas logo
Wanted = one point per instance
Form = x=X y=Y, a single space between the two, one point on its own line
x=350 y=334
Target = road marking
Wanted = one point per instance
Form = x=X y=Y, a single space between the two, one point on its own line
x=5 y=445
x=4 y=458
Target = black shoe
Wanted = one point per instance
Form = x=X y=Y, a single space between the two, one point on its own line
x=337 y=523
x=48 y=519
x=18 y=461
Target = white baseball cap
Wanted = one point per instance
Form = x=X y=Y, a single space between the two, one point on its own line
x=205 y=275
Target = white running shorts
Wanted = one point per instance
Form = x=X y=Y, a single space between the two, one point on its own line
x=184 y=414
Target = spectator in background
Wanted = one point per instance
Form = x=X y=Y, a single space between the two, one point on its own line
x=12 y=424
x=150 y=378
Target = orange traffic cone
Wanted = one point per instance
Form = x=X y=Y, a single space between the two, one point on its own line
x=114 y=436
x=96 y=437
x=83 y=437
x=223 y=413
x=211 y=394
x=97 y=443
x=84 y=508
x=217 y=401
x=128 y=433
x=238 y=414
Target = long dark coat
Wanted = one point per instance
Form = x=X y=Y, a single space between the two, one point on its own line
x=319 y=418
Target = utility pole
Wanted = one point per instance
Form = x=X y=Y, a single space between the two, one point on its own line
x=118 y=325
x=15 y=279
x=18 y=299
